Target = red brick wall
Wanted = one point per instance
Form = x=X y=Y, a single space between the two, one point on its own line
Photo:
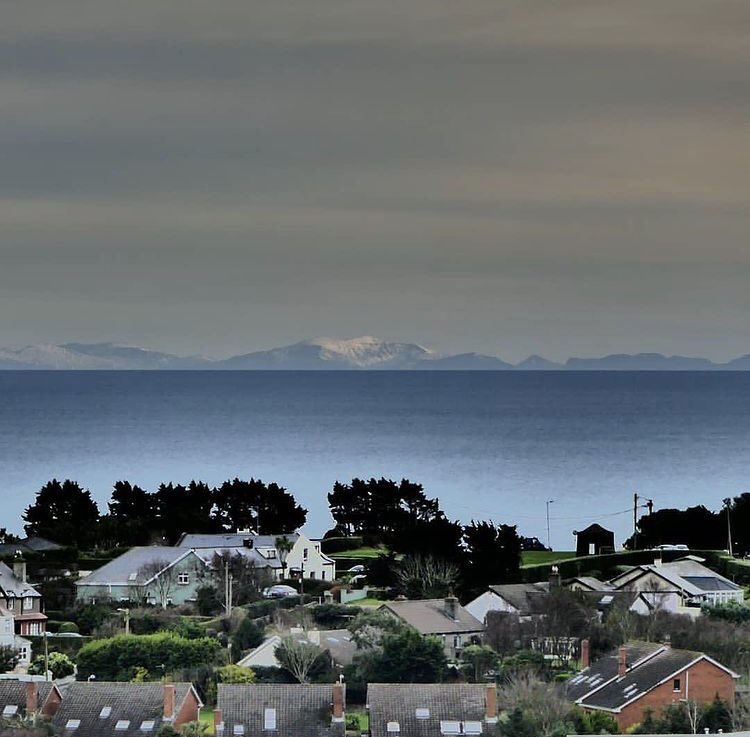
x=52 y=704
x=189 y=710
x=701 y=682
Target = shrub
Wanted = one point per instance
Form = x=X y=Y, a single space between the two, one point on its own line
x=334 y=616
x=60 y=665
x=248 y=635
x=68 y=627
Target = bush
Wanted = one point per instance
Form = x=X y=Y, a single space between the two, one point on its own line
x=116 y=658
x=68 y=627
x=248 y=635
x=207 y=601
x=334 y=616
x=89 y=617
x=60 y=665
x=274 y=674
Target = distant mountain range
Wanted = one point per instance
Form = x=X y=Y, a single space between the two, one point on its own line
x=334 y=354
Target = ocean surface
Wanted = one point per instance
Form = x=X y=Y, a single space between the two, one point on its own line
x=489 y=445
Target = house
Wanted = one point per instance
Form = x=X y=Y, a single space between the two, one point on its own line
x=431 y=709
x=9 y=638
x=24 y=698
x=304 y=560
x=338 y=643
x=283 y=710
x=594 y=540
x=109 y=709
x=20 y=600
x=443 y=618
x=522 y=599
x=642 y=676
x=162 y=574
x=695 y=583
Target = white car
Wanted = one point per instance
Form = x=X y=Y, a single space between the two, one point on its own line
x=359 y=568
x=279 y=591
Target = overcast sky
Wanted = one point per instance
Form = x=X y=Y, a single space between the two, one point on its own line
x=511 y=177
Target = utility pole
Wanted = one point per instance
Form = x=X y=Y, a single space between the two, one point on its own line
x=227 y=590
x=549 y=501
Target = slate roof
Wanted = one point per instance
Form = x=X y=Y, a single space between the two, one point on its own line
x=398 y=702
x=594 y=584
x=605 y=668
x=34 y=544
x=524 y=597
x=430 y=617
x=14 y=587
x=118 y=571
x=339 y=644
x=260 y=561
x=301 y=710
x=134 y=703
x=231 y=540
x=13 y=693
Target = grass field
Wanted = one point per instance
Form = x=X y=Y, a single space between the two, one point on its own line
x=358 y=553
x=537 y=557
x=207 y=718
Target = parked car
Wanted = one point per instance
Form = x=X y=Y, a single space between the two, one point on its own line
x=359 y=568
x=279 y=591
x=671 y=547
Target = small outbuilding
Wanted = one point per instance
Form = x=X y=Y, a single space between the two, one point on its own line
x=594 y=540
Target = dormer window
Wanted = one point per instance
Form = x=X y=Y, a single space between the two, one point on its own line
x=450 y=727
x=28 y=603
x=472 y=727
x=238 y=730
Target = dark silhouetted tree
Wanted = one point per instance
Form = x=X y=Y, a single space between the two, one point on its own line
x=493 y=556
x=131 y=519
x=63 y=512
x=265 y=508
x=181 y=509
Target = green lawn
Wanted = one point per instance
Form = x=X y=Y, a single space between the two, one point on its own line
x=207 y=718
x=538 y=557
x=358 y=553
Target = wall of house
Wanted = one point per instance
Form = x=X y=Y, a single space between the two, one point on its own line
x=701 y=682
x=306 y=555
x=189 y=710
x=52 y=704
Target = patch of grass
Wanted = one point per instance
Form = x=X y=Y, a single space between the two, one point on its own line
x=207 y=717
x=360 y=718
x=358 y=553
x=536 y=557
x=366 y=602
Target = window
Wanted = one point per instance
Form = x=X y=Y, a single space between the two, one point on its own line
x=472 y=727
x=183 y=579
x=122 y=725
x=271 y=553
x=304 y=553
x=269 y=719
x=105 y=712
x=322 y=575
x=147 y=725
x=10 y=710
x=238 y=729
x=676 y=684
x=456 y=640
x=312 y=574
x=423 y=714
x=72 y=724
x=393 y=728
x=11 y=604
x=450 y=727
x=28 y=603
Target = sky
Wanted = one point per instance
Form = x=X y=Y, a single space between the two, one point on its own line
x=502 y=176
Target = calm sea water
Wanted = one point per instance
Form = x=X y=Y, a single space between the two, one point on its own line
x=489 y=445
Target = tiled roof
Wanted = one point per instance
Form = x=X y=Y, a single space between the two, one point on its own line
x=400 y=704
x=524 y=597
x=14 y=586
x=430 y=616
x=119 y=571
x=640 y=680
x=605 y=668
x=593 y=583
x=231 y=540
x=13 y=693
x=98 y=707
x=298 y=710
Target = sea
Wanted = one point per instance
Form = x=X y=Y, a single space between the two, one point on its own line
x=506 y=446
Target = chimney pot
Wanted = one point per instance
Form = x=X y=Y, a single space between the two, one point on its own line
x=338 y=701
x=32 y=697
x=490 y=712
x=451 y=606
x=169 y=701
x=622 y=664
x=585 y=654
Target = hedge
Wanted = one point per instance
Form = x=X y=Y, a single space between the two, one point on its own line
x=337 y=544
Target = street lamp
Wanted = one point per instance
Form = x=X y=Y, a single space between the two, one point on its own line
x=549 y=501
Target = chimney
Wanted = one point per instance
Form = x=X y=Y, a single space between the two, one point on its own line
x=554 y=578
x=32 y=697
x=490 y=711
x=169 y=701
x=338 y=702
x=622 y=663
x=451 y=606
x=585 y=654
x=218 y=721
x=19 y=566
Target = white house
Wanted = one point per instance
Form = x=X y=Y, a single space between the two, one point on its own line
x=305 y=558
x=9 y=638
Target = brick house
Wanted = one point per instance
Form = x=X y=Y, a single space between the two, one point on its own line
x=648 y=676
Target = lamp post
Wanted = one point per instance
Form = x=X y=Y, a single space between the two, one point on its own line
x=549 y=501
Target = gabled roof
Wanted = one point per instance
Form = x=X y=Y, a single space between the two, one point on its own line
x=13 y=693
x=252 y=554
x=339 y=644
x=98 y=706
x=591 y=583
x=231 y=540
x=686 y=574
x=398 y=704
x=127 y=569
x=13 y=587
x=430 y=616
x=525 y=598
x=299 y=710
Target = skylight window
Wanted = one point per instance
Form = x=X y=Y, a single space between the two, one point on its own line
x=423 y=713
x=148 y=725
x=269 y=719
x=72 y=724
x=472 y=727
x=450 y=727
x=393 y=728
x=122 y=725
x=10 y=710
x=133 y=576
x=238 y=729
x=105 y=712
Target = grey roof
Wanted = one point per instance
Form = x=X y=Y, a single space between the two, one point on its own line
x=686 y=574
x=524 y=597
x=640 y=680
x=34 y=544
x=398 y=702
x=594 y=584
x=231 y=540
x=260 y=561
x=12 y=586
x=132 y=702
x=712 y=583
x=430 y=616
x=13 y=693
x=605 y=668
x=118 y=572
x=301 y=710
